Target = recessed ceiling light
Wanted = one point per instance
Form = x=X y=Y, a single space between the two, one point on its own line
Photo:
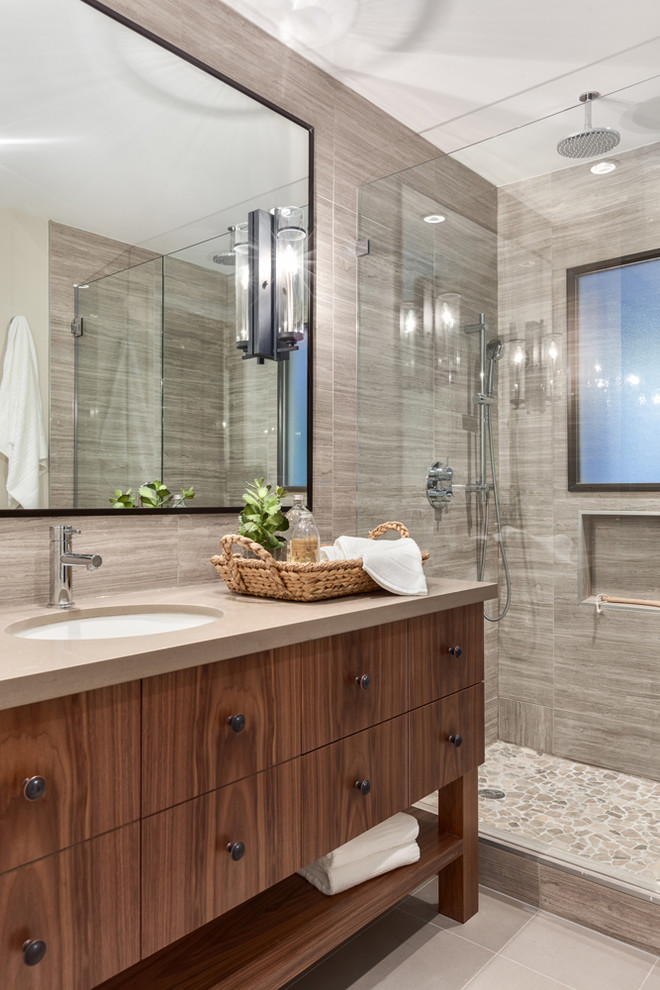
x=434 y=218
x=602 y=168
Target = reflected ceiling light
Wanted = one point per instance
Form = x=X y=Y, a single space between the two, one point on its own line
x=434 y=218
x=602 y=168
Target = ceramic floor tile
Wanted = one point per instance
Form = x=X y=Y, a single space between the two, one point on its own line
x=652 y=981
x=498 y=920
x=578 y=957
x=352 y=964
x=441 y=962
x=428 y=959
x=503 y=974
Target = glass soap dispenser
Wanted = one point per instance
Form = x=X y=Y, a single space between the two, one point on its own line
x=303 y=540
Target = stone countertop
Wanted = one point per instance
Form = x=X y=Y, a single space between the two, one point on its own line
x=34 y=670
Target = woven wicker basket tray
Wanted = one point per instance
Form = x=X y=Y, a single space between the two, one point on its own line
x=268 y=578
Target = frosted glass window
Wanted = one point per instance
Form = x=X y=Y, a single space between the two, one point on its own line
x=614 y=339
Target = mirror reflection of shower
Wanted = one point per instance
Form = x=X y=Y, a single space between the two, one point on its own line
x=489 y=354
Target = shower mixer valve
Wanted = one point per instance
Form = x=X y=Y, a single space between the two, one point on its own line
x=439 y=484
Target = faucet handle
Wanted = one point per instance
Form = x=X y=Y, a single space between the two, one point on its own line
x=63 y=530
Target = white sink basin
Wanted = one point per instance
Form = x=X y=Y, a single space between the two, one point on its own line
x=114 y=623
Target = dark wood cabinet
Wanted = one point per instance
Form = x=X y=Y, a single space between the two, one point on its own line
x=446 y=653
x=207 y=726
x=352 y=785
x=202 y=857
x=241 y=772
x=353 y=681
x=82 y=904
x=446 y=740
x=76 y=757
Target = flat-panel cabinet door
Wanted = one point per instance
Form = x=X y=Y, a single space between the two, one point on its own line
x=207 y=855
x=353 y=784
x=73 y=916
x=352 y=681
x=446 y=740
x=69 y=769
x=446 y=653
x=207 y=726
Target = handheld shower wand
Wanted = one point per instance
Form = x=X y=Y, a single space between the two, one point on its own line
x=494 y=351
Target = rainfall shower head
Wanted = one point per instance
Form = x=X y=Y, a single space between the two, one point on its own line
x=592 y=141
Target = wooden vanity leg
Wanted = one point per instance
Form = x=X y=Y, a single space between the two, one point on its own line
x=458 y=813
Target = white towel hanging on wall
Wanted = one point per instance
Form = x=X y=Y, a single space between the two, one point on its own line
x=22 y=434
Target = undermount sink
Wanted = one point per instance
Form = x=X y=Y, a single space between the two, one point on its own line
x=116 y=622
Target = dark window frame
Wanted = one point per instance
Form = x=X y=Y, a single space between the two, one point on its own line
x=572 y=339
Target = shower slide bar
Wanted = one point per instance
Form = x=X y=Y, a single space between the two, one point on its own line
x=633 y=603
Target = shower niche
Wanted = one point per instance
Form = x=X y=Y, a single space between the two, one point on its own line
x=617 y=556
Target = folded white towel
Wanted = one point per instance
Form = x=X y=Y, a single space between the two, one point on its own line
x=395 y=565
x=332 y=880
x=398 y=830
x=22 y=433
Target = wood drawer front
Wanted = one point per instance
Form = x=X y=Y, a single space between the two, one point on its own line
x=434 y=671
x=334 y=671
x=189 y=747
x=434 y=759
x=84 y=903
x=86 y=747
x=189 y=877
x=334 y=810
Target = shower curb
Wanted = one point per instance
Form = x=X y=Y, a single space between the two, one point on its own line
x=608 y=905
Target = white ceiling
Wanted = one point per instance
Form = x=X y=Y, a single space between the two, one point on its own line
x=461 y=72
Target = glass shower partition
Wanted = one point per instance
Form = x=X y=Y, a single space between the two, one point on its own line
x=162 y=392
x=418 y=287
x=572 y=679
x=118 y=394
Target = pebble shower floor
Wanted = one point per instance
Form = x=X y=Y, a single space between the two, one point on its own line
x=610 y=820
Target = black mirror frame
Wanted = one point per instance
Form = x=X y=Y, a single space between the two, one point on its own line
x=139 y=29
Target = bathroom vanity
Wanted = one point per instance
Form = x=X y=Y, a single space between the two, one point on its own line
x=158 y=793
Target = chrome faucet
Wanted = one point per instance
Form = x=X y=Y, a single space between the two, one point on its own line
x=62 y=562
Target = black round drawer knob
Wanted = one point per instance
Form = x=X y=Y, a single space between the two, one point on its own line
x=363 y=682
x=34 y=788
x=33 y=951
x=237 y=722
x=236 y=850
x=457 y=740
x=456 y=651
x=363 y=786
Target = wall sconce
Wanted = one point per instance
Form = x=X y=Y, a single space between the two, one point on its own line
x=549 y=358
x=447 y=326
x=239 y=248
x=270 y=298
x=518 y=369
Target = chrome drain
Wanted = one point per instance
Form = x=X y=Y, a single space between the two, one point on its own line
x=491 y=794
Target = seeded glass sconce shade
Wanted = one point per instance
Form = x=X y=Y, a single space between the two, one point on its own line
x=270 y=302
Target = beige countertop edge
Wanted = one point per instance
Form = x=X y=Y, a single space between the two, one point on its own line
x=36 y=670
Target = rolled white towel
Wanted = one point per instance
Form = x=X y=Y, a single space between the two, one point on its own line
x=398 y=830
x=334 y=879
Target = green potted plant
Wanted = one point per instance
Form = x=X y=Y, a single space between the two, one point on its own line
x=153 y=495
x=262 y=518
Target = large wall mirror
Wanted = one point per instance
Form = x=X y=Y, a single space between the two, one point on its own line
x=130 y=180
